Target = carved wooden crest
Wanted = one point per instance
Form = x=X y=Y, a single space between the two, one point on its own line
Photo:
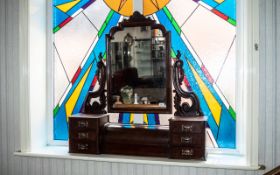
x=137 y=19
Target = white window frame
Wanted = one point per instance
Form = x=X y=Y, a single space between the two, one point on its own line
x=36 y=109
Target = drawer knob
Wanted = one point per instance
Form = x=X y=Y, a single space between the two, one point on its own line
x=82 y=147
x=187 y=152
x=83 y=135
x=82 y=124
x=186 y=140
x=186 y=128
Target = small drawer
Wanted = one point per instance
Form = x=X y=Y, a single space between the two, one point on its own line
x=187 y=139
x=187 y=153
x=83 y=135
x=82 y=124
x=187 y=127
x=82 y=147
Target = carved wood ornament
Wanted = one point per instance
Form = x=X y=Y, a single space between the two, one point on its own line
x=97 y=107
x=184 y=109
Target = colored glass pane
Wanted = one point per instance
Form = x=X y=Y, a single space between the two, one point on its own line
x=204 y=31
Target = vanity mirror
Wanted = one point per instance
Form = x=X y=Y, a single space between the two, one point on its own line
x=138 y=67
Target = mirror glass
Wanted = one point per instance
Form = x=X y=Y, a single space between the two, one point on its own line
x=138 y=68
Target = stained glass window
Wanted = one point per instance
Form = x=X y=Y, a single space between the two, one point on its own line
x=203 y=30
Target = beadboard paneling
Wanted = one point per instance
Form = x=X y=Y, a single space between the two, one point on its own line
x=277 y=122
x=269 y=86
x=9 y=85
x=262 y=84
x=269 y=141
x=3 y=134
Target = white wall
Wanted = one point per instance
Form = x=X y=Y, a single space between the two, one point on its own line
x=269 y=152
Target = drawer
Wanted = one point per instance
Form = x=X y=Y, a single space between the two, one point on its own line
x=187 y=127
x=187 y=153
x=83 y=147
x=83 y=124
x=83 y=135
x=187 y=139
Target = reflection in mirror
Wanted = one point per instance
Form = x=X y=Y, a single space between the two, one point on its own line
x=138 y=68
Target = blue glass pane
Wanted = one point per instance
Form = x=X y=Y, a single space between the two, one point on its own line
x=228 y=7
x=126 y=118
x=151 y=119
x=227 y=131
x=59 y=2
x=77 y=7
x=58 y=17
x=211 y=3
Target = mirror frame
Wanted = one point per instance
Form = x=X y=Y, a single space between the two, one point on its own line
x=138 y=20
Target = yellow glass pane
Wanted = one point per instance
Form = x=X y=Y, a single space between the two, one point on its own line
x=123 y=7
x=219 y=1
x=211 y=101
x=152 y=6
x=70 y=104
x=67 y=6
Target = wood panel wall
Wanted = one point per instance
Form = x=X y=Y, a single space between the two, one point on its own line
x=269 y=141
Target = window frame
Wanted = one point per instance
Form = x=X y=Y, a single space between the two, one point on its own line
x=248 y=89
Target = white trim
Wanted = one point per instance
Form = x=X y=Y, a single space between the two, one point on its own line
x=50 y=72
x=239 y=75
x=50 y=80
x=247 y=108
x=37 y=72
x=25 y=135
x=253 y=90
x=248 y=76
x=217 y=161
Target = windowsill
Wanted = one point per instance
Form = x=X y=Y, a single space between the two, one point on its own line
x=213 y=160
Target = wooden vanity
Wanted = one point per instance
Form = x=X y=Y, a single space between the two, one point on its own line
x=138 y=76
x=184 y=138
